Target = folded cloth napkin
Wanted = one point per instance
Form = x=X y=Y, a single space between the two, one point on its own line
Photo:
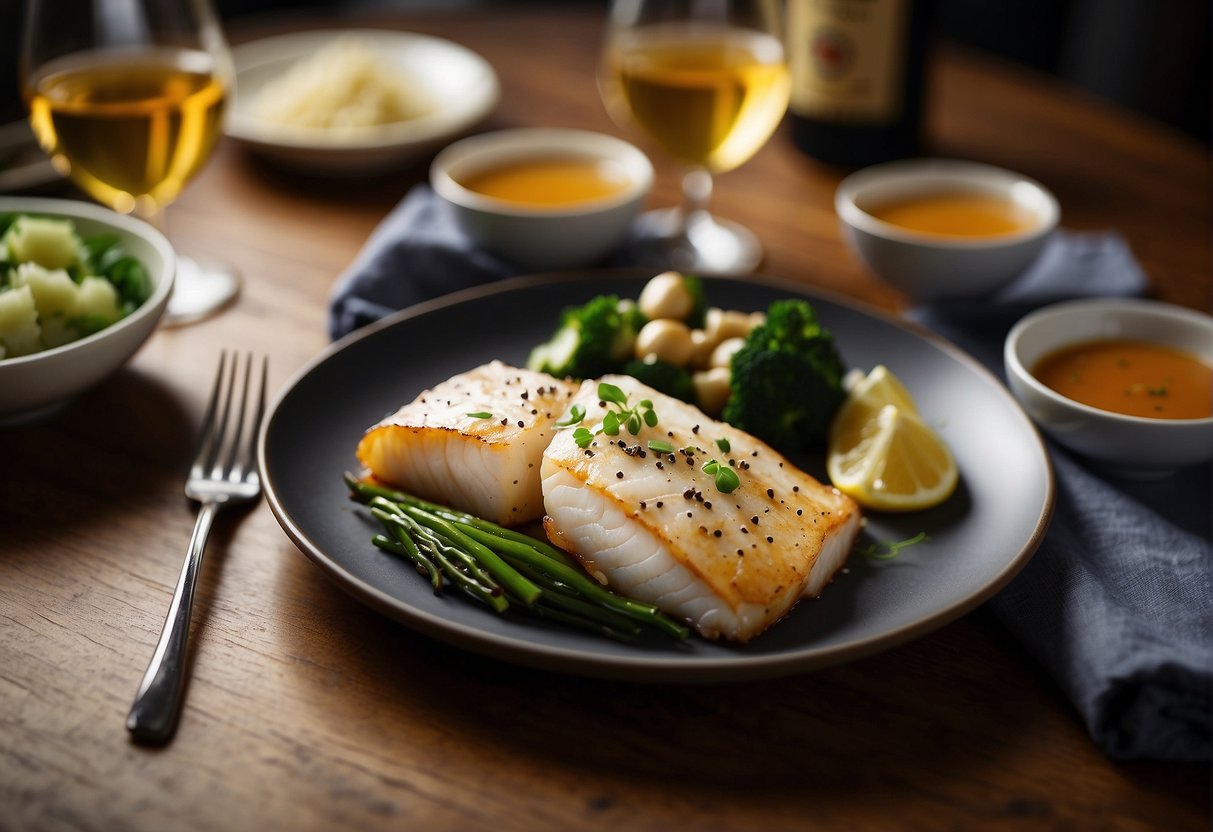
x=416 y=253
x=1117 y=604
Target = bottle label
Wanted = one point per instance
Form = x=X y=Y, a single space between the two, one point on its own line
x=847 y=58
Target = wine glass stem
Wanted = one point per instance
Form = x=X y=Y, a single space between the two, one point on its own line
x=696 y=193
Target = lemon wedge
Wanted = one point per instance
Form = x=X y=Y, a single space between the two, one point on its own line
x=882 y=454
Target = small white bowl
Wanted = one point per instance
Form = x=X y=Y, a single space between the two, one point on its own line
x=1129 y=444
x=930 y=267
x=542 y=238
x=462 y=84
x=32 y=386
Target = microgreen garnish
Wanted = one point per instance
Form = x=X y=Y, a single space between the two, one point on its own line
x=723 y=444
x=890 y=550
x=621 y=417
x=727 y=480
x=481 y=414
x=575 y=415
x=661 y=446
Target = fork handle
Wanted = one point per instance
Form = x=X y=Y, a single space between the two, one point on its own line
x=153 y=716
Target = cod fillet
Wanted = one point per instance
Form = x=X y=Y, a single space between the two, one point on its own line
x=654 y=526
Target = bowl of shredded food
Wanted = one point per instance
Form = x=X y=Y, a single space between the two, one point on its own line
x=357 y=101
x=81 y=289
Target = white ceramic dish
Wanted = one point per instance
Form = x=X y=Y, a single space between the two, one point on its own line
x=931 y=267
x=1130 y=444
x=462 y=83
x=542 y=238
x=32 y=386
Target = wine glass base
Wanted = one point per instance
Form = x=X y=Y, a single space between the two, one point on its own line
x=202 y=288
x=704 y=243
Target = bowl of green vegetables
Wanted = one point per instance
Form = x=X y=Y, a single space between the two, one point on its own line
x=81 y=289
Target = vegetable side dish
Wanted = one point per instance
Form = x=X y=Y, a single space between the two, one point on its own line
x=57 y=287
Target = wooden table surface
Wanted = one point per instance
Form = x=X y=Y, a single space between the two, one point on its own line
x=308 y=710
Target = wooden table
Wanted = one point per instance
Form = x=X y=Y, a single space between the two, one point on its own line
x=308 y=710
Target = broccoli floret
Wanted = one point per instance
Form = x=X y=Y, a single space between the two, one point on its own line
x=591 y=340
x=662 y=376
x=786 y=379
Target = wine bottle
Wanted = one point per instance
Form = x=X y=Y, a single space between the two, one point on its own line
x=857 y=78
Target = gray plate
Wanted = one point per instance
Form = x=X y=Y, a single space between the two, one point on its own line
x=979 y=538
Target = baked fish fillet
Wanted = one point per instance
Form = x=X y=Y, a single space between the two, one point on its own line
x=655 y=527
x=442 y=446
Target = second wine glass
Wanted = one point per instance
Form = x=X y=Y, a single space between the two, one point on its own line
x=127 y=97
x=707 y=82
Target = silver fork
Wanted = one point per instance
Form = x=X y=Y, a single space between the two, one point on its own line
x=224 y=473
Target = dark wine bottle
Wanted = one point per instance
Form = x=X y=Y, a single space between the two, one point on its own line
x=857 y=78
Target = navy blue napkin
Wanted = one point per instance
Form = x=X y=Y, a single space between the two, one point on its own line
x=1117 y=605
x=416 y=253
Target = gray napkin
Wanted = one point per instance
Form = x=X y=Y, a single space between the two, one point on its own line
x=1117 y=605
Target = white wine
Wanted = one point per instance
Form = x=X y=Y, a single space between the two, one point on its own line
x=709 y=95
x=129 y=128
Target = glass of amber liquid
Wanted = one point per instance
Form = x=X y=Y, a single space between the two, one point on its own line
x=127 y=97
x=706 y=82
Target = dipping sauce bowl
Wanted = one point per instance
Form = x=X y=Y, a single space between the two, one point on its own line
x=537 y=217
x=932 y=260
x=1128 y=444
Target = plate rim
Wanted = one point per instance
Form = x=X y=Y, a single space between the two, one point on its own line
x=640 y=667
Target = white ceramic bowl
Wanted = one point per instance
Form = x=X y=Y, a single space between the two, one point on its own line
x=542 y=238
x=1130 y=444
x=931 y=267
x=461 y=83
x=34 y=385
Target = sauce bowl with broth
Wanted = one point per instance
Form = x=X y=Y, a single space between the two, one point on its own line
x=544 y=198
x=940 y=229
x=1125 y=382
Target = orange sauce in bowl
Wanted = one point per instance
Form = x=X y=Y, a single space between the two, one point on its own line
x=549 y=181
x=1135 y=378
x=955 y=214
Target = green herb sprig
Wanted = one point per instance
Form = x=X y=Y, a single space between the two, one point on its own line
x=619 y=416
x=726 y=478
x=575 y=415
x=890 y=550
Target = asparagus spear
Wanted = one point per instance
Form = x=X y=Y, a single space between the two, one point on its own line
x=504 y=568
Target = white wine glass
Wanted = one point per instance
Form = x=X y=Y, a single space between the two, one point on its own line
x=127 y=98
x=707 y=82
